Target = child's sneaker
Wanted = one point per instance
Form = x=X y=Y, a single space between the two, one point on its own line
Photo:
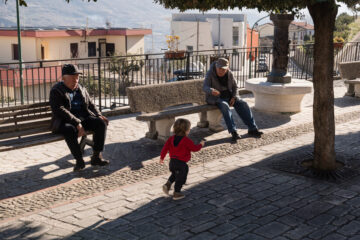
x=166 y=187
x=178 y=196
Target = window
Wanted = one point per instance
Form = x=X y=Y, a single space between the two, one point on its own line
x=110 y=49
x=235 y=36
x=91 y=49
x=74 y=50
x=15 y=52
x=42 y=52
x=189 y=48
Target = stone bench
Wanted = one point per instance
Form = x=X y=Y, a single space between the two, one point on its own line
x=350 y=72
x=29 y=125
x=159 y=104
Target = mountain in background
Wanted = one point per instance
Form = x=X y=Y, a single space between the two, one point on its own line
x=77 y=13
x=119 y=13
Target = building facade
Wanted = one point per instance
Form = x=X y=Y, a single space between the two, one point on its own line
x=297 y=33
x=71 y=43
x=209 y=31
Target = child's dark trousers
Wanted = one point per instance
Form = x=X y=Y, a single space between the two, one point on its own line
x=179 y=171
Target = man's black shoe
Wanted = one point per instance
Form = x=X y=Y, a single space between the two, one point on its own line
x=234 y=137
x=80 y=165
x=255 y=133
x=97 y=161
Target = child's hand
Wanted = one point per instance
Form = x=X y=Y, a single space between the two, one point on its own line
x=202 y=142
x=161 y=161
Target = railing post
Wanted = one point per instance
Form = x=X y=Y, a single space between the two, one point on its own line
x=99 y=82
x=19 y=53
x=187 y=64
x=250 y=56
x=255 y=62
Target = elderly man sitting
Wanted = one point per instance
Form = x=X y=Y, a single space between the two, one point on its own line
x=221 y=89
x=74 y=113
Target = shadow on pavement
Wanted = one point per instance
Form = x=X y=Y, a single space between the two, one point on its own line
x=251 y=202
x=121 y=155
x=346 y=101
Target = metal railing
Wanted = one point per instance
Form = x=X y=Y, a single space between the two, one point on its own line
x=107 y=78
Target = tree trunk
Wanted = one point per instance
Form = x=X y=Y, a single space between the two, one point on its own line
x=323 y=15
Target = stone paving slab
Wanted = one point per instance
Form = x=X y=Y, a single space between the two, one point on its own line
x=234 y=197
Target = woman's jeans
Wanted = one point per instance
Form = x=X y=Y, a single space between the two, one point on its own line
x=242 y=109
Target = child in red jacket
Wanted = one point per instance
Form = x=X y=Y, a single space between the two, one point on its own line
x=179 y=147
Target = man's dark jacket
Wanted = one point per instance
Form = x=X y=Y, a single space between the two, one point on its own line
x=61 y=106
x=212 y=82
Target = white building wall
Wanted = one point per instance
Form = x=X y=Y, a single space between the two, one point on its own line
x=28 y=46
x=226 y=32
x=242 y=34
x=187 y=31
x=135 y=45
x=59 y=47
x=266 y=30
x=185 y=26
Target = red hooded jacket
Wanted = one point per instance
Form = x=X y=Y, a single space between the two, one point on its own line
x=182 y=151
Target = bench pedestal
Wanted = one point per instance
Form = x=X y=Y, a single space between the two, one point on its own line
x=214 y=117
x=203 y=123
x=163 y=128
x=353 y=87
x=160 y=129
x=152 y=133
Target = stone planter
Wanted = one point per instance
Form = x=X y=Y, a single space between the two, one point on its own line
x=278 y=97
x=338 y=45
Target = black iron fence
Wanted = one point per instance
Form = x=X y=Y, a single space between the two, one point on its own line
x=107 y=78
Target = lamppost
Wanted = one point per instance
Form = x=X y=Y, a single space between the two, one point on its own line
x=19 y=52
x=251 y=38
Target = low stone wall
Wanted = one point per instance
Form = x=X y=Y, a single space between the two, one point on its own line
x=349 y=70
x=153 y=98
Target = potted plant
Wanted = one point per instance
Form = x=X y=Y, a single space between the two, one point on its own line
x=173 y=45
x=338 y=42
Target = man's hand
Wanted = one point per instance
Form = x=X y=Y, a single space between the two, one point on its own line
x=161 y=161
x=215 y=92
x=104 y=119
x=232 y=101
x=81 y=130
x=202 y=142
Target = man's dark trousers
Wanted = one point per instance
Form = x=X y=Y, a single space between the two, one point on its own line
x=94 y=124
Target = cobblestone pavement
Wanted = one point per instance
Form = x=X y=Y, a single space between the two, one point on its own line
x=35 y=168
x=234 y=197
x=233 y=192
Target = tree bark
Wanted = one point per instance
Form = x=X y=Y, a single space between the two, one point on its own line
x=324 y=15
